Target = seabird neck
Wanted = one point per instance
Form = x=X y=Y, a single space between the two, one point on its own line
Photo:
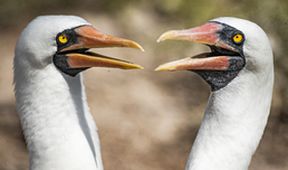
x=233 y=123
x=55 y=119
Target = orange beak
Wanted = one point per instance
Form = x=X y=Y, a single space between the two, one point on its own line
x=205 y=34
x=89 y=37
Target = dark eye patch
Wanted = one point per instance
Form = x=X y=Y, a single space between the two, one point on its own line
x=227 y=34
x=71 y=36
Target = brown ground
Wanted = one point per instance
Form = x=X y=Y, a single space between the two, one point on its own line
x=147 y=120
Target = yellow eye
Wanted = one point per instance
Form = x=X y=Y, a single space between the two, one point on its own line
x=238 y=38
x=62 y=39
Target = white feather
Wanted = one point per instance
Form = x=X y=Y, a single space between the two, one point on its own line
x=237 y=114
x=59 y=130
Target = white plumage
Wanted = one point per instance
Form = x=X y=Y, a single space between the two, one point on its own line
x=50 y=96
x=59 y=129
x=236 y=115
x=241 y=74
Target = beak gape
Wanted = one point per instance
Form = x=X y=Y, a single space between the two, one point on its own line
x=76 y=57
x=205 y=34
x=218 y=67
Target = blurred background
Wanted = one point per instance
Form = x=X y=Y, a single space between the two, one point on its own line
x=147 y=120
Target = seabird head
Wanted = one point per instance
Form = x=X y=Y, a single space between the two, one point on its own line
x=236 y=45
x=64 y=41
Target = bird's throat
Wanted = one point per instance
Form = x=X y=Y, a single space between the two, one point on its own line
x=232 y=126
x=58 y=128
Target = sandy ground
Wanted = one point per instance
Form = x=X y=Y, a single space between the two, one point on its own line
x=147 y=120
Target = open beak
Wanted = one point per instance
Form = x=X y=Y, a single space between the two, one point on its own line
x=206 y=34
x=219 y=63
x=88 y=37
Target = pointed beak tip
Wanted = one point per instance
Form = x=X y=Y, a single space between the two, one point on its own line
x=141 y=48
x=166 y=36
x=139 y=67
x=136 y=46
x=163 y=68
x=134 y=67
x=158 y=69
x=159 y=40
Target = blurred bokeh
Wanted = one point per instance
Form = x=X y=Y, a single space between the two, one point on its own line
x=147 y=120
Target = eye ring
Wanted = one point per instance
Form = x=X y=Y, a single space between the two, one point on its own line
x=238 y=38
x=63 y=39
